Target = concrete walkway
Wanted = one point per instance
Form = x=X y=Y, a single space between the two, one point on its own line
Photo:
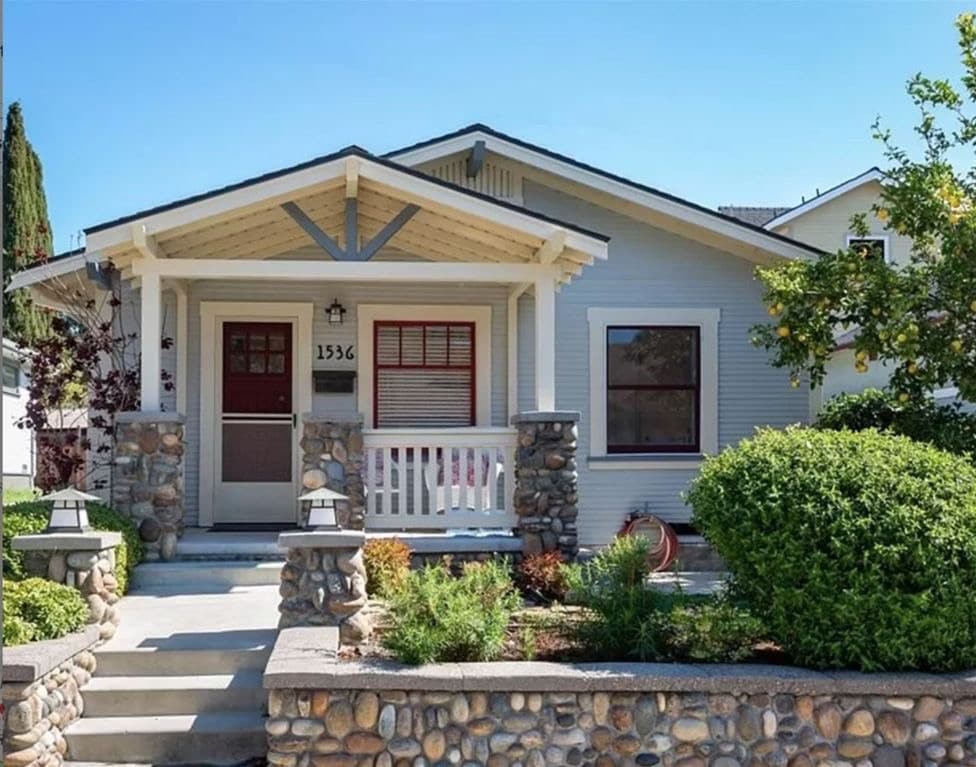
x=689 y=582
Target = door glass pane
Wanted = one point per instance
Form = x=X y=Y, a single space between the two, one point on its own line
x=257 y=452
x=238 y=363
x=237 y=342
x=276 y=363
x=256 y=363
x=257 y=341
x=276 y=342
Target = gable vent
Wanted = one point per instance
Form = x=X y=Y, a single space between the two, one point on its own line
x=495 y=180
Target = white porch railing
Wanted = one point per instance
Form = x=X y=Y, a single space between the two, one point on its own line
x=425 y=479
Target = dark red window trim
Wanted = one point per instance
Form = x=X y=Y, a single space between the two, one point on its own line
x=470 y=367
x=696 y=387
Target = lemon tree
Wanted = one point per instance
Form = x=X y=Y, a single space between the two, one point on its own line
x=918 y=318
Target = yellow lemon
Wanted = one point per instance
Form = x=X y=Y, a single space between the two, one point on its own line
x=903 y=397
x=901 y=338
x=882 y=214
x=912 y=368
x=956 y=345
x=861 y=356
x=782 y=331
x=795 y=383
x=876 y=311
x=773 y=311
x=972 y=306
x=801 y=337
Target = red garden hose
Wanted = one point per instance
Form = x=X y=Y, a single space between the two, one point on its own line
x=665 y=549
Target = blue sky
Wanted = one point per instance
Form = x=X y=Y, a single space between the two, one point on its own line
x=132 y=104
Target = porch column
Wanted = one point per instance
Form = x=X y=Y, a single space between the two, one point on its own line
x=545 y=344
x=150 y=338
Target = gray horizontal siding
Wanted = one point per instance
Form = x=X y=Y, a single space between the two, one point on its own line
x=648 y=267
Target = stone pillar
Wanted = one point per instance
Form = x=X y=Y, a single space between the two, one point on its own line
x=546 y=481
x=332 y=457
x=85 y=561
x=148 y=478
x=323 y=582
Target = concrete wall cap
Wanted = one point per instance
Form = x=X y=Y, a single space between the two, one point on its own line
x=322 y=539
x=306 y=672
x=96 y=540
x=546 y=416
x=27 y=663
x=160 y=416
x=353 y=419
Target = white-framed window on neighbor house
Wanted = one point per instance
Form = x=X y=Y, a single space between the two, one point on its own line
x=653 y=383
x=11 y=376
x=873 y=245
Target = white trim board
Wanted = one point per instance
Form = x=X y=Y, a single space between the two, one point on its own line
x=874 y=174
x=706 y=319
x=212 y=313
x=367 y=314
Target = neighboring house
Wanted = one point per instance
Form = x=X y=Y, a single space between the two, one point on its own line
x=18 y=444
x=824 y=221
x=438 y=290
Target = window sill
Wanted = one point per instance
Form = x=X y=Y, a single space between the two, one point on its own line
x=678 y=461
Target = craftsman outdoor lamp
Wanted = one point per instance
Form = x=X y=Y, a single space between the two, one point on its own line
x=336 y=312
x=322 y=513
x=68 y=512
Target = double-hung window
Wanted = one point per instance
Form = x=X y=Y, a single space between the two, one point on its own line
x=653 y=383
x=653 y=389
x=11 y=376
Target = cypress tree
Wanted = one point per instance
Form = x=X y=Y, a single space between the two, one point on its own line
x=27 y=235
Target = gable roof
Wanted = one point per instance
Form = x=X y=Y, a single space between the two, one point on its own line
x=871 y=174
x=756 y=215
x=604 y=181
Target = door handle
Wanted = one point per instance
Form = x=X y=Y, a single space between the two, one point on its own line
x=294 y=420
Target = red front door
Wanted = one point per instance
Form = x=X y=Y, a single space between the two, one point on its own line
x=257 y=463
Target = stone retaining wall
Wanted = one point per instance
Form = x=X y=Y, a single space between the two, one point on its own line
x=42 y=696
x=332 y=456
x=147 y=481
x=547 y=482
x=369 y=714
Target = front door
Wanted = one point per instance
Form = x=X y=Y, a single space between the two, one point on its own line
x=255 y=436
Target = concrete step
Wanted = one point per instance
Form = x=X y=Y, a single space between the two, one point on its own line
x=201 y=575
x=162 y=695
x=180 y=662
x=695 y=554
x=212 y=738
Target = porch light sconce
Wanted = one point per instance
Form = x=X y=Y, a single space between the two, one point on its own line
x=322 y=514
x=336 y=312
x=68 y=512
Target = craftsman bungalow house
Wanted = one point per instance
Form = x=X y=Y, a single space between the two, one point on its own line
x=437 y=291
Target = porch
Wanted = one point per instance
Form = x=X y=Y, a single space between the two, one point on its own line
x=407 y=408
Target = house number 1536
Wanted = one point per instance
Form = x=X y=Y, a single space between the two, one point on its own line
x=335 y=352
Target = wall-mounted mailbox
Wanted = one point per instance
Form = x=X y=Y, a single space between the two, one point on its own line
x=333 y=381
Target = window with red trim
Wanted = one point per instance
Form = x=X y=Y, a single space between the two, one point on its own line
x=653 y=389
x=423 y=374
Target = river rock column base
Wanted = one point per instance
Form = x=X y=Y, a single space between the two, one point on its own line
x=332 y=457
x=323 y=582
x=147 y=483
x=547 y=482
x=84 y=561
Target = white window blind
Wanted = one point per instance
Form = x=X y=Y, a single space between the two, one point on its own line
x=424 y=374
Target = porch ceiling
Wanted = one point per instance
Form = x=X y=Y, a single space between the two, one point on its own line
x=451 y=225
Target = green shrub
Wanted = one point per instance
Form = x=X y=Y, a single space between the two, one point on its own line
x=857 y=548
x=50 y=609
x=387 y=562
x=31 y=517
x=438 y=617
x=944 y=426
x=16 y=630
x=714 y=631
x=619 y=604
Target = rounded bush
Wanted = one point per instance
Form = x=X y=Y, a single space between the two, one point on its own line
x=16 y=630
x=946 y=427
x=857 y=548
x=50 y=609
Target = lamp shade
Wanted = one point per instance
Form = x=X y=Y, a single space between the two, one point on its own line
x=322 y=511
x=68 y=512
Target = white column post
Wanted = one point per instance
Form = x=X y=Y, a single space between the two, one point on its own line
x=545 y=344
x=512 y=354
x=182 y=336
x=150 y=336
